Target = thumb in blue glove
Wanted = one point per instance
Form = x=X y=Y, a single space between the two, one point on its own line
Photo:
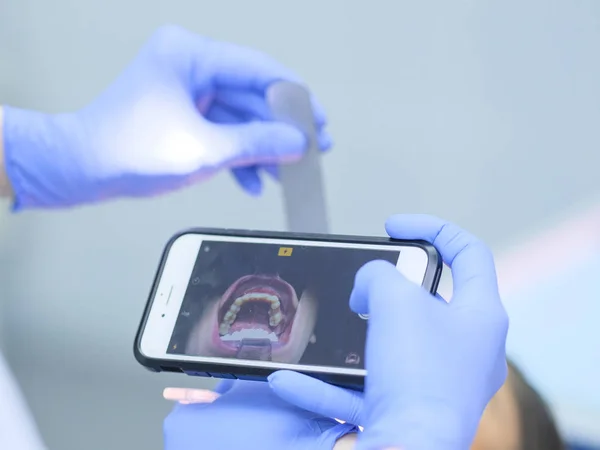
x=432 y=366
x=185 y=108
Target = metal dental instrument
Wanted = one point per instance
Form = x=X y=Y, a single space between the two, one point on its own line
x=301 y=182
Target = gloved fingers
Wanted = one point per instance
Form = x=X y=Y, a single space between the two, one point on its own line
x=224 y=64
x=385 y=294
x=235 y=66
x=272 y=170
x=399 y=311
x=334 y=434
x=187 y=396
x=244 y=176
x=325 y=141
x=320 y=116
x=470 y=260
x=259 y=143
x=317 y=396
x=249 y=179
x=238 y=106
x=239 y=67
x=224 y=386
x=250 y=104
x=320 y=120
x=222 y=114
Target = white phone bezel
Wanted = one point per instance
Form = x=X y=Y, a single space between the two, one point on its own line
x=177 y=271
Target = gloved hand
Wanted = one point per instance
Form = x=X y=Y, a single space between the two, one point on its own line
x=432 y=366
x=185 y=108
x=249 y=415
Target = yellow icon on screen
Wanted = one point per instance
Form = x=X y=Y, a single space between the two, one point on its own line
x=285 y=251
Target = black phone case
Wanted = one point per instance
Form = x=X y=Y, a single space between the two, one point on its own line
x=231 y=370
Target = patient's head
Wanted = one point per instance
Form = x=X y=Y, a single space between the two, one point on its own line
x=517 y=418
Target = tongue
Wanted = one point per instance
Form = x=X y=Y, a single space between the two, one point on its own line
x=254 y=312
x=255 y=349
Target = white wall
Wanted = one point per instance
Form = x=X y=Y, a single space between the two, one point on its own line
x=482 y=112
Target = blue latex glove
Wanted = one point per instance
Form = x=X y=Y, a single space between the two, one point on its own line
x=185 y=108
x=249 y=415
x=432 y=366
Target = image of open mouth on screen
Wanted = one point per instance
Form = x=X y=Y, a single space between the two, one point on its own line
x=267 y=302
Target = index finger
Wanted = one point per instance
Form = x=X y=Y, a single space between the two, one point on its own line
x=239 y=67
x=471 y=261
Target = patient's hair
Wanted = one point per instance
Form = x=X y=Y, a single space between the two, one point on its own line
x=538 y=430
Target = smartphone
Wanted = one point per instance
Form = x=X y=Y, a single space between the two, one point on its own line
x=243 y=304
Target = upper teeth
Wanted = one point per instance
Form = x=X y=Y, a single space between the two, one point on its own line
x=275 y=315
x=256 y=296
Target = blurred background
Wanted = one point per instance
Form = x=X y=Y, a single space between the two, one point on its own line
x=484 y=112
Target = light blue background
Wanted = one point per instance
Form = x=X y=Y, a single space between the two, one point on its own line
x=484 y=112
x=555 y=335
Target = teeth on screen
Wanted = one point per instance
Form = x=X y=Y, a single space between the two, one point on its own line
x=275 y=316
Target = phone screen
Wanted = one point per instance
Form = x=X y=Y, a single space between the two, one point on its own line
x=268 y=302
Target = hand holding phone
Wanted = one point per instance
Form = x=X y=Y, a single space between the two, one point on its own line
x=432 y=365
x=250 y=415
x=238 y=304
